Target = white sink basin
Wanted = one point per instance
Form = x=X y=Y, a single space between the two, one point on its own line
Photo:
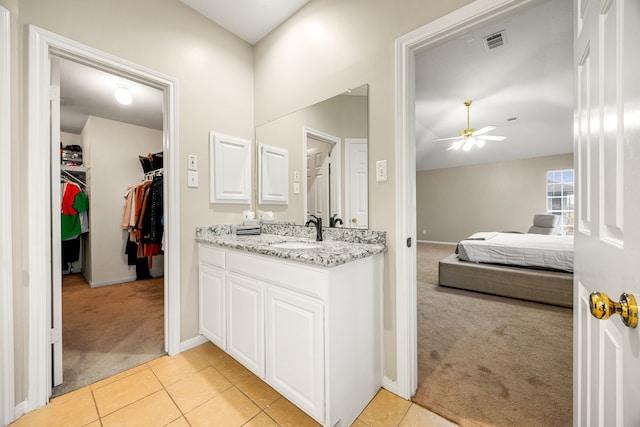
x=295 y=245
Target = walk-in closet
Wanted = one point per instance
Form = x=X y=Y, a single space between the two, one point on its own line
x=112 y=225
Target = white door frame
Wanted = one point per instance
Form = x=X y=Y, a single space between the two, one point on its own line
x=42 y=43
x=7 y=391
x=407 y=47
x=336 y=164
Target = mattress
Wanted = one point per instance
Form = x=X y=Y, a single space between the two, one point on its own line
x=523 y=250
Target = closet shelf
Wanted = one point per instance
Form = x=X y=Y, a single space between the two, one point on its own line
x=74 y=168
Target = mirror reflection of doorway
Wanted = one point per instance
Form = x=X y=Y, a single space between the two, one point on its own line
x=318 y=178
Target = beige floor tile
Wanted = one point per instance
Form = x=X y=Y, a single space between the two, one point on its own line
x=286 y=414
x=180 y=422
x=233 y=370
x=172 y=369
x=125 y=391
x=154 y=410
x=119 y=376
x=385 y=410
x=230 y=408
x=76 y=410
x=212 y=353
x=94 y=424
x=197 y=388
x=358 y=423
x=258 y=391
x=261 y=420
x=417 y=416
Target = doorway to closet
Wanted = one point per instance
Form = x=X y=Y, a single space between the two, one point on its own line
x=44 y=302
x=111 y=269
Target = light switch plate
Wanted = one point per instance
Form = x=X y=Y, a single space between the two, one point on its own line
x=381 y=170
x=296 y=176
x=296 y=188
x=192 y=162
x=192 y=179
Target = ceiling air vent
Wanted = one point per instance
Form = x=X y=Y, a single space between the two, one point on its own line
x=495 y=40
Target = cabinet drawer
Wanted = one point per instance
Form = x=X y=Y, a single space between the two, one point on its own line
x=210 y=255
x=307 y=280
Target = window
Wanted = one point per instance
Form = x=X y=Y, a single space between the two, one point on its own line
x=560 y=198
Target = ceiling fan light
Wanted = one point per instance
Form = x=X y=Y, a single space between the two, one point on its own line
x=468 y=145
x=480 y=143
x=457 y=144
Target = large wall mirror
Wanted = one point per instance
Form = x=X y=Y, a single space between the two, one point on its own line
x=327 y=149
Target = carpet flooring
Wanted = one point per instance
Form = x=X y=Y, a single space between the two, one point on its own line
x=485 y=360
x=109 y=329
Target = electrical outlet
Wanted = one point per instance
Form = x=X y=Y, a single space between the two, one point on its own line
x=296 y=176
x=381 y=170
x=424 y=231
x=192 y=162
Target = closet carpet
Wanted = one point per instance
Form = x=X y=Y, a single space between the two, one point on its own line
x=109 y=329
x=485 y=360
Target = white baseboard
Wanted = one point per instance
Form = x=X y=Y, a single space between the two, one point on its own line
x=193 y=342
x=111 y=282
x=21 y=409
x=437 y=243
x=389 y=385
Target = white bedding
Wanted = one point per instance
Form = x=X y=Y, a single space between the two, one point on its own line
x=526 y=250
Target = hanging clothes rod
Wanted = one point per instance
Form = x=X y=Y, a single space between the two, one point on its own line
x=71 y=177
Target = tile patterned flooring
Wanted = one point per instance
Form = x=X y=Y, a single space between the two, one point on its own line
x=203 y=387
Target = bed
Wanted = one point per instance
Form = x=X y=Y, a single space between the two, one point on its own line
x=531 y=267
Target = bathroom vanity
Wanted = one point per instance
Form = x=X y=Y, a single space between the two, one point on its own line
x=304 y=316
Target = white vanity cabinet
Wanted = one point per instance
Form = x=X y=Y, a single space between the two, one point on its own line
x=212 y=295
x=312 y=333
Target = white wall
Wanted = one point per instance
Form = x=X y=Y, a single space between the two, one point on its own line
x=453 y=203
x=326 y=48
x=214 y=69
x=112 y=149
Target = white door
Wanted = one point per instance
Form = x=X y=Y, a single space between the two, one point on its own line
x=318 y=160
x=295 y=349
x=56 y=249
x=357 y=183
x=607 y=241
x=212 y=304
x=245 y=322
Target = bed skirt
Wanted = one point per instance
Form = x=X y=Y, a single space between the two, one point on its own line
x=544 y=286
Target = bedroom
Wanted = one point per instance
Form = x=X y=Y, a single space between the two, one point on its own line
x=524 y=88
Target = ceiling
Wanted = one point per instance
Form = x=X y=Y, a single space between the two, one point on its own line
x=251 y=20
x=529 y=78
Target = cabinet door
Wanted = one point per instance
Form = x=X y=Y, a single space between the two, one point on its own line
x=212 y=302
x=295 y=349
x=245 y=317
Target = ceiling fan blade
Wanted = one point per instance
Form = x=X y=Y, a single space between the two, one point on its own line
x=449 y=139
x=492 y=137
x=483 y=130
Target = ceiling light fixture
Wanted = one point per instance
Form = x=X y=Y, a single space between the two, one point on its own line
x=123 y=95
x=470 y=137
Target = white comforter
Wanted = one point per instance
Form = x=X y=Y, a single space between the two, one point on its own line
x=528 y=250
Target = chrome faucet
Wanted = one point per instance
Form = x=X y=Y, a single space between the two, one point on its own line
x=318 y=224
x=333 y=221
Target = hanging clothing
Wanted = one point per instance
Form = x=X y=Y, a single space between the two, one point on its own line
x=74 y=202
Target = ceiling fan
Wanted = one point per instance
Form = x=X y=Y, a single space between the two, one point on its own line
x=471 y=137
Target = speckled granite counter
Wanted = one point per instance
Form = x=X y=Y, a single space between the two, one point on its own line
x=340 y=245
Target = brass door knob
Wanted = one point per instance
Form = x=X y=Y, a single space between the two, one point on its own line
x=354 y=220
x=602 y=308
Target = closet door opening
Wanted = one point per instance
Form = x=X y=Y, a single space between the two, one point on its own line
x=107 y=242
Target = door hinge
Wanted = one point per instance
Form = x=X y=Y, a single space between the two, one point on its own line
x=55 y=93
x=408 y=242
x=56 y=336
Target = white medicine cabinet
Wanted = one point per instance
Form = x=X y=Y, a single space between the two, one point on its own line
x=230 y=160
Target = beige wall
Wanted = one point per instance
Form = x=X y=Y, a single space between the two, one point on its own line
x=112 y=149
x=326 y=48
x=215 y=73
x=453 y=203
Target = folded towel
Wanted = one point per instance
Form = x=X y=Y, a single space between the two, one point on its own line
x=245 y=230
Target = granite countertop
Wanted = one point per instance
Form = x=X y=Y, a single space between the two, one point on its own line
x=328 y=253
